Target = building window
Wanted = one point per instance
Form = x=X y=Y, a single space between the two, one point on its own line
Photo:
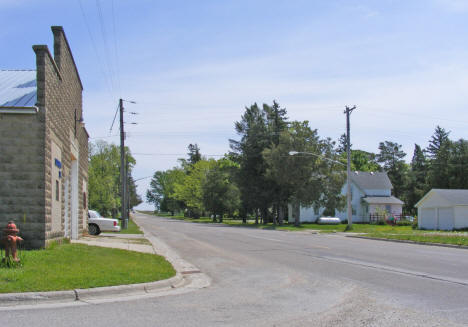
x=84 y=200
x=57 y=190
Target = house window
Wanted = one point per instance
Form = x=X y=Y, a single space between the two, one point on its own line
x=57 y=190
x=84 y=200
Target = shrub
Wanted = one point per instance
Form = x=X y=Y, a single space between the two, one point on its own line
x=378 y=222
x=404 y=222
x=415 y=223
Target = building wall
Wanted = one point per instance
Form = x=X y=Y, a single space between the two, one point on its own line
x=61 y=91
x=22 y=169
x=309 y=214
x=30 y=143
x=461 y=217
x=358 y=210
x=395 y=209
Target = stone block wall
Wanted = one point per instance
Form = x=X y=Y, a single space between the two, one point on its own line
x=22 y=175
x=26 y=161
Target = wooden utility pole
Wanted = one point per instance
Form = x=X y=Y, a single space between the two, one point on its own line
x=348 y=111
x=123 y=174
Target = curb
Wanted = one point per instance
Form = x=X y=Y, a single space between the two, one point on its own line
x=12 y=299
x=463 y=247
x=33 y=298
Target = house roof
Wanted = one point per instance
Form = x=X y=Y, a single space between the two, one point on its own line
x=382 y=200
x=18 y=88
x=454 y=197
x=371 y=180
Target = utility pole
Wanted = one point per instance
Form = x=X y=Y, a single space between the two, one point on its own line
x=123 y=175
x=128 y=187
x=348 y=111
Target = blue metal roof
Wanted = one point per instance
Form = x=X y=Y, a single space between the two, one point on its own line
x=18 y=88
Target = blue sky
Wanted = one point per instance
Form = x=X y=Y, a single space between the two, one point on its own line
x=192 y=67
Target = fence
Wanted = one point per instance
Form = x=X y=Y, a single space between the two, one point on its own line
x=374 y=217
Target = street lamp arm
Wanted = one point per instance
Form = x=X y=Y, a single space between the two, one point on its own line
x=292 y=153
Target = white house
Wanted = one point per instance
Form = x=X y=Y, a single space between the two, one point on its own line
x=443 y=209
x=371 y=192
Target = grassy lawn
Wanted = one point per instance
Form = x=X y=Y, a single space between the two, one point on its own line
x=455 y=238
x=377 y=231
x=70 y=266
x=132 y=228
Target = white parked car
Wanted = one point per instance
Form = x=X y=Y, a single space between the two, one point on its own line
x=98 y=224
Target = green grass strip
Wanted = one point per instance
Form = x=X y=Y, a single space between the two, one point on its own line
x=424 y=237
x=132 y=228
x=70 y=266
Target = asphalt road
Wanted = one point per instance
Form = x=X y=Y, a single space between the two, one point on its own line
x=276 y=278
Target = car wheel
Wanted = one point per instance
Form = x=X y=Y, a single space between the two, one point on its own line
x=93 y=229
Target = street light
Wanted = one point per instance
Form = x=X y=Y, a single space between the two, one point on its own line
x=348 y=192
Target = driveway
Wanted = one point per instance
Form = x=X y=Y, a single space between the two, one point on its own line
x=277 y=278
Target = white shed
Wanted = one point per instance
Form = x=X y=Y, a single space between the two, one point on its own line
x=443 y=209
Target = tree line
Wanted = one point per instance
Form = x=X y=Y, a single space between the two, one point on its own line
x=260 y=175
x=104 y=184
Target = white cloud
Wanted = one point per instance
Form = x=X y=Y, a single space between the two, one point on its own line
x=453 y=5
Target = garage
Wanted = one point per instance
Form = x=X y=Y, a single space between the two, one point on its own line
x=445 y=219
x=430 y=218
x=443 y=209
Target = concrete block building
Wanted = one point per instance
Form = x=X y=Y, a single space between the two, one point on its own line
x=44 y=147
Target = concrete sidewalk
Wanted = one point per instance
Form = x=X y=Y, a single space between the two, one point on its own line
x=131 y=242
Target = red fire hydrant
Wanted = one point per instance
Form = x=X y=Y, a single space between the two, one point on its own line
x=10 y=240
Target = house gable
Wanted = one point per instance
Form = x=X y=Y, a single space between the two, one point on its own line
x=433 y=200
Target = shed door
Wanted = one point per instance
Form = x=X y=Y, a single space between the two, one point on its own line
x=428 y=218
x=446 y=218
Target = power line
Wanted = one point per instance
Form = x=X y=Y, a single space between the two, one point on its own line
x=104 y=40
x=174 y=154
x=393 y=113
x=109 y=87
x=117 y=62
x=115 y=115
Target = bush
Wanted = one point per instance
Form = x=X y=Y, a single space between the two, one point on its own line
x=415 y=223
x=404 y=222
x=378 y=222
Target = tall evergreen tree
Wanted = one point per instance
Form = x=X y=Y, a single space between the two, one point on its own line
x=194 y=153
x=438 y=152
x=416 y=183
x=391 y=156
x=458 y=165
x=259 y=129
x=307 y=180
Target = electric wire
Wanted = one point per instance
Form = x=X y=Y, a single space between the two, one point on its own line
x=117 y=61
x=93 y=43
x=105 y=44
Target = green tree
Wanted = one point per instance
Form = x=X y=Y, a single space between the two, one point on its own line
x=391 y=156
x=220 y=195
x=458 y=164
x=438 y=153
x=416 y=182
x=259 y=129
x=189 y=188
x=161 y=192
x=305 y=179
x=104 y=178
x=194 y=153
